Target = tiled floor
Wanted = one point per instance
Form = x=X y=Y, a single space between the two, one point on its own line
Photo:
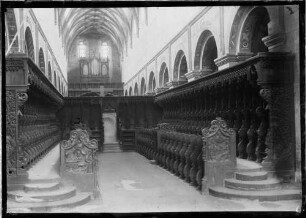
x=129 y=183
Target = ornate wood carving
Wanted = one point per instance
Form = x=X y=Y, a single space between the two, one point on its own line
x=79 y=152
x=219 y=141
x=15 y=98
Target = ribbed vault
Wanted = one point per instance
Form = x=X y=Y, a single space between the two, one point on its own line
x=116 y=23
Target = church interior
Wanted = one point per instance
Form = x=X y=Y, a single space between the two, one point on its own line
x=153 y=109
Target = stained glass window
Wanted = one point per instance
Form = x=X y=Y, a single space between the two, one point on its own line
x=82 y=50
x=104 y=50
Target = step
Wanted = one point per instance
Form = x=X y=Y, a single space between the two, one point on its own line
x=46 y=180
x=117 y=151
x=41 y=187
x=252 y=185
x=60 y=194
x=77 y=200
x=251 y=176
x=248 y=166
x=267 y=195
x=13 y=187
x=111 y=149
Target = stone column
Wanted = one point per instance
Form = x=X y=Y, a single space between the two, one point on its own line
x=275 y=41
x=275 y=79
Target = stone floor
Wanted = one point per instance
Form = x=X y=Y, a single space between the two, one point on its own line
x=128 y=182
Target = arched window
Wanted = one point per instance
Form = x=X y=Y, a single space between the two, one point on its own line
x=29 y=44
x=59 y=84
x=55 y=83
x=41 y=60
x=49 y=72
x=130 y=91
x=126 y=93
x=152 y=83
x=11 y=30
x=163 y=75
x=166 y=77
x=254 y=29
x=82 y=49
x=136 y=89
x=104 y=50
x=180 y=66
x=206 y=52
x=143 y=87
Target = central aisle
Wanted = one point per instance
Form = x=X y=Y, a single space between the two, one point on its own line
x=129 y=183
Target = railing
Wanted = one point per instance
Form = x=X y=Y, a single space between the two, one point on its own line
x=181 y=154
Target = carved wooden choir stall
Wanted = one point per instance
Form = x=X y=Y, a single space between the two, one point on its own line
x=254 y=98
x=32 y=127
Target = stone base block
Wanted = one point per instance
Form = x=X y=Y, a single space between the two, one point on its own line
x=216 y=172
x=83 y=182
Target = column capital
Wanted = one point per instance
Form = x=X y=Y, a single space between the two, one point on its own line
x=196 y=74
x=275 y=42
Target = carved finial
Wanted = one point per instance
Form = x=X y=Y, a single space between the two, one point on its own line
x=216 y=124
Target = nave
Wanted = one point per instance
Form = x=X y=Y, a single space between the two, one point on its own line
x=214 y=100
x=130 y=183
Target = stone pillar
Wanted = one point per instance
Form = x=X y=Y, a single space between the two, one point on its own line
x=275 y=79
x=219 y=153
x=275 y=41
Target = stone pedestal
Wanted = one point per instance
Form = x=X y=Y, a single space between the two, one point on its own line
x=219 y=153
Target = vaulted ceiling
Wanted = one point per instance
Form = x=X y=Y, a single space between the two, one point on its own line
x=116 y=23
